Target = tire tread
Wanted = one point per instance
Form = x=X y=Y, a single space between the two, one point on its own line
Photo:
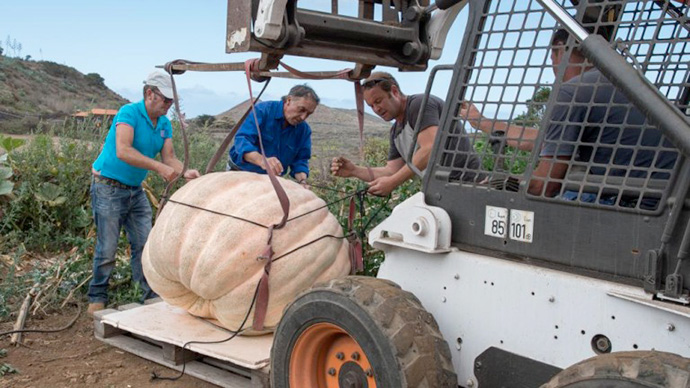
x=424 y=356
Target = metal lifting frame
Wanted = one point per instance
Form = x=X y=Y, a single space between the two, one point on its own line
x=181 y=66
x=410 y=33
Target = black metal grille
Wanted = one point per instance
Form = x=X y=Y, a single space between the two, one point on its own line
x=566 y=133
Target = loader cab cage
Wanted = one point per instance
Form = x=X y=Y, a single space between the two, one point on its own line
x=593 y=190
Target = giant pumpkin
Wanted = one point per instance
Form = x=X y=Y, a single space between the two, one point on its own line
x=202 y=252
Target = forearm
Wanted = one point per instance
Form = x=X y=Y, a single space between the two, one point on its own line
x=254 y=158
x=402 y=175
x=420 y=160
x=554 y=170
x=131 y=156
x=368 y=174
x=522 y=138
x=517 y=136
x=174 y=163
x=300 y=176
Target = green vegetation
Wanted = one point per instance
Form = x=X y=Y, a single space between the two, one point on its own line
x=47 y=235
x=32 y=92
x=376 y=209
x=6 y=368
x=94 y=79
x=47 y=230
x=205 y=120
x=515 y=161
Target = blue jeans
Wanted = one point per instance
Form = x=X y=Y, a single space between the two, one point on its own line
x=610 y=200
x=589 y=197
x=114 y=208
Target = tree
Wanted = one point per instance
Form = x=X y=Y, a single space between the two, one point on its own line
x=535 y=108
x=94 y=79
x=12 y=44
x=205 y=120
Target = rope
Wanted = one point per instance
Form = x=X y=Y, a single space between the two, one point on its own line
x=361 y=193
x=218 y=213
x=183 y=127
x=356 y=193
x=63 y=328
x=156 y=376
x=251 y=68
x=263 y=293
x=260 y=298
x=231 y=135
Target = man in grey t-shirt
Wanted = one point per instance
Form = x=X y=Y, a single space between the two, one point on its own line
x=382 y=93
x=589 y=115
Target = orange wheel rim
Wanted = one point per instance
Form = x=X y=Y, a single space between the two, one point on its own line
x=324 y=355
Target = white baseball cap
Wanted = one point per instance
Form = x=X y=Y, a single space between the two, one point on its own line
x=162 y=82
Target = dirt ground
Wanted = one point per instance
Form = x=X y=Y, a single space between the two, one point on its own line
x=75 y=358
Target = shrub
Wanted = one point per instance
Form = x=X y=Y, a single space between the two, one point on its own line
x=372 y=210
x=51 y=187
x=59 y=71
x=94 y=79
x=6 y=368
x=205 y=120
x=51 y=214
x=515 y=160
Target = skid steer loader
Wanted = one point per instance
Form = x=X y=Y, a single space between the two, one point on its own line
x=561 y=269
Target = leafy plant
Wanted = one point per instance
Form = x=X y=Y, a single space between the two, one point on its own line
x=6 y=185
x=6 y=369
x=50 y=213
x=515 y=161
x=50 y=194
x=6 y=173
x=372 y=210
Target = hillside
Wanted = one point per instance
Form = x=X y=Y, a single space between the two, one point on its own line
x=30 y=90
x=335 y=131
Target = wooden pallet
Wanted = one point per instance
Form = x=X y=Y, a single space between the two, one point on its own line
x=158 y=331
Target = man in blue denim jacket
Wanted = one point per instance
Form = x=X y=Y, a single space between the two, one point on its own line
x=285 y=134
x=140 y=131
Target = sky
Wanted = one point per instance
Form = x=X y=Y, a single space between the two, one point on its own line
x=123 y=41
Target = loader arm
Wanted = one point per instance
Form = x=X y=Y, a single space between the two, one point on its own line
x=398 y=33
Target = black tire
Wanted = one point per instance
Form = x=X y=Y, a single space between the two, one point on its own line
x=626 y=369
x=400 y=339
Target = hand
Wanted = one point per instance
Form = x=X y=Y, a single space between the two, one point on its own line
x=382 y=186
x=343 y=167
x=191 y=174
x=470 y=112
x=168 y=173
x=301 y=178
x=274 y=164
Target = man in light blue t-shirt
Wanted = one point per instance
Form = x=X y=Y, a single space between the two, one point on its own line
x=140 y=131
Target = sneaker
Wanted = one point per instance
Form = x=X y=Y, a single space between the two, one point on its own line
x=93 y=307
